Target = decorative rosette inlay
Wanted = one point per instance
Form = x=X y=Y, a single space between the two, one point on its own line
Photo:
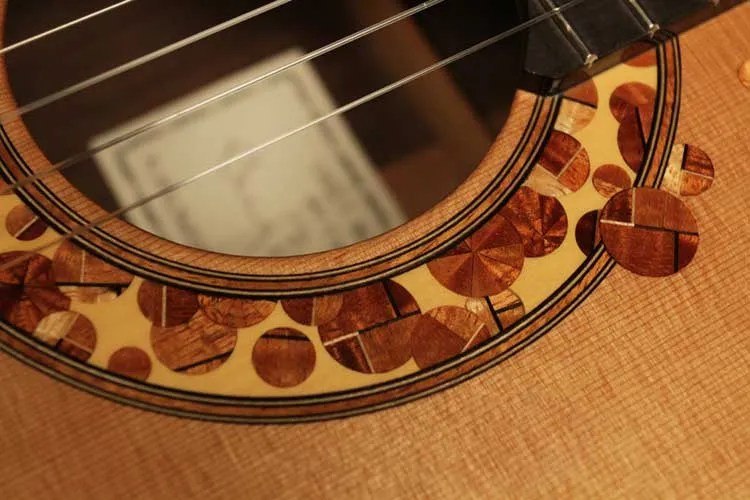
x=607 y=185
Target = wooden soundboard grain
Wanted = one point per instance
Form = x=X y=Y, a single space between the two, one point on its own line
x=643 y=391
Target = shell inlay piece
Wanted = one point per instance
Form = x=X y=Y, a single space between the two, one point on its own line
x=744 y=73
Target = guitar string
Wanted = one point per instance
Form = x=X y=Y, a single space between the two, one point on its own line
x=138 y=62
x=64 y=26
x=88 y=227
x=88 y=153
x=159 y=122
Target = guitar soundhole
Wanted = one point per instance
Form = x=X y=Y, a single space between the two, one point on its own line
x=287 y=182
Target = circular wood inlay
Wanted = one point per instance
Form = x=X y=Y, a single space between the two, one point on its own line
x=165 y=306
x=563 y=167
x=485 y=264
x=28 y=291
x=68 y=332
x=578 y=107
x=23 y=224
x=372 y=331
x=632 y=105
x=284 y=357
x=314 y=311
x=649 y=232
x=196 y=347
x=587 y=232
x=690 y=171
x=540 y=220
x=610 y=180
x=130 y=362
x=236 y=313
x=445 y=332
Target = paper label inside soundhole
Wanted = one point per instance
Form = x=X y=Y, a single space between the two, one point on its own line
x=312 y=191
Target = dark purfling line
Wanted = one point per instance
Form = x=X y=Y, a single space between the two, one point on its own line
x=494 y=316
x=204 y=361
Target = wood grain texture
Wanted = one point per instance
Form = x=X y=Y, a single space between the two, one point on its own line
x=639 y=401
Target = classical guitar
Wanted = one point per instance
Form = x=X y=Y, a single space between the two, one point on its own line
x=472 y=247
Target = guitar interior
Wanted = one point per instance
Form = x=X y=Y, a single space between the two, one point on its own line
x=410 y=147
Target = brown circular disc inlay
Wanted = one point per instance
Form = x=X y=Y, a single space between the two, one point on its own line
x=23 y=224
x=540 y=220
x=690 y=171
x=236 y=313
x=563 y=166
x=632 y=105
x=131 y=362
x=28 y=291
x=610 y=180
x=445 y=332
x=313 y=311
x=284 y=357
x=649 y=231
x=587 y=232
x=68 y=332
x=165 y=306
x=486 y=263
x=372 y=331
x=578 y=107
x=198 y=346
